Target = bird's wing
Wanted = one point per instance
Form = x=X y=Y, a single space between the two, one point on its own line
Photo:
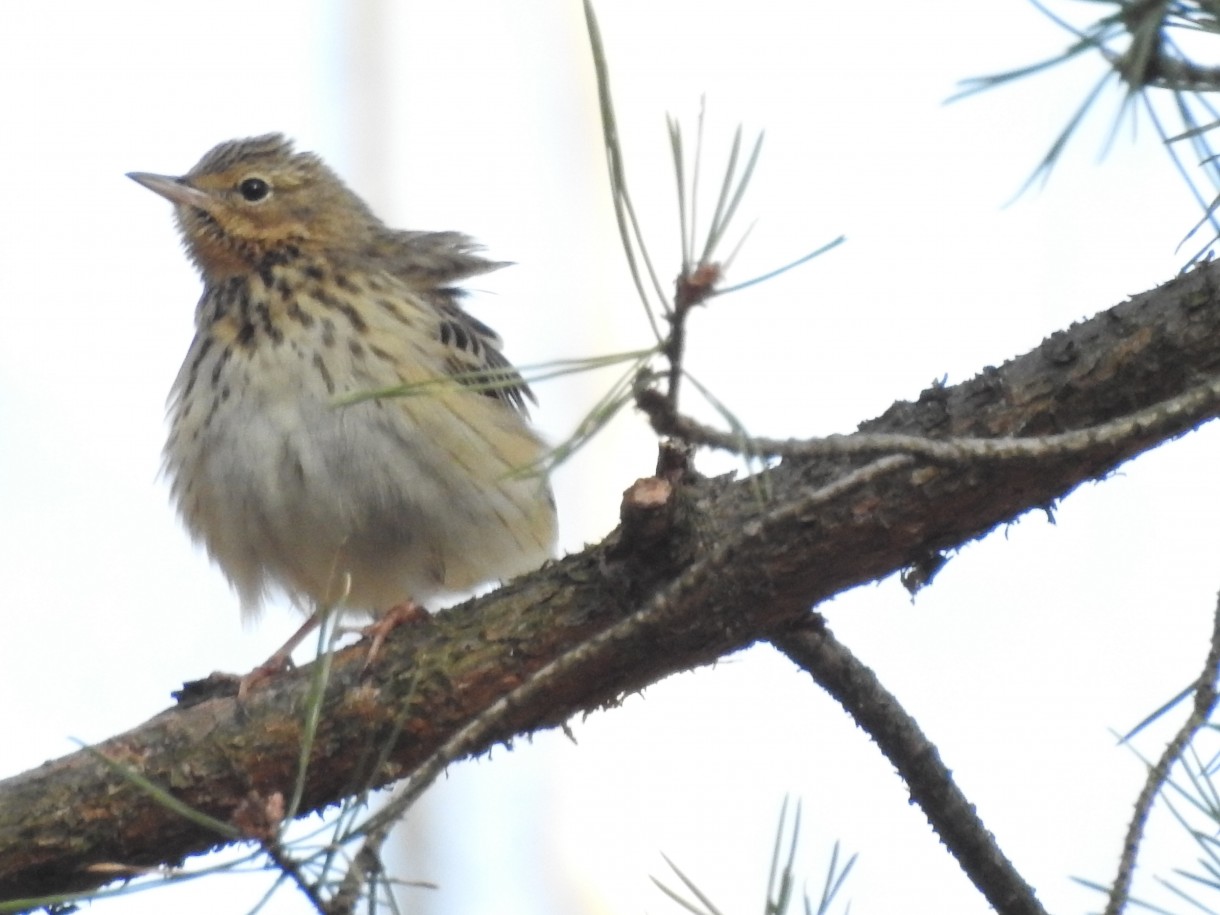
x=431 y=264
x=472 y=352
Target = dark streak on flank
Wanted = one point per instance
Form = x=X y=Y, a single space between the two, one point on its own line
x=391 y=307
x=219 y=367
x=320 y=365
x=298 y=314
x=192 y=374
x=353 y=317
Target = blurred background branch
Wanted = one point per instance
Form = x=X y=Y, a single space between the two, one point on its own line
x=1158 y=55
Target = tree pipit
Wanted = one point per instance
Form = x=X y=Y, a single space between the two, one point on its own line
x=308 y=298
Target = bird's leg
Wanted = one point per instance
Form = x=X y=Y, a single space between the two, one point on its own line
x=282 y=659
x=406 y=612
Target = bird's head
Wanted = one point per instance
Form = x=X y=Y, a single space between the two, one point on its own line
x=250 y=199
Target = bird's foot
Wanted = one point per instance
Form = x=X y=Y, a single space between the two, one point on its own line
x=406 y=612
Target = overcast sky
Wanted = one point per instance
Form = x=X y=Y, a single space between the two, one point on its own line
x=482 y=116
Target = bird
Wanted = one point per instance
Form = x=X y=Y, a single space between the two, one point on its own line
x=279 y=462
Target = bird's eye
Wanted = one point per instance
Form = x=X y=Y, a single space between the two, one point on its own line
x=254 y=189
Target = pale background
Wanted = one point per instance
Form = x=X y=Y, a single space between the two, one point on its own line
x=481 y=116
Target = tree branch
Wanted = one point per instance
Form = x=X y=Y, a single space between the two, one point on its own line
x=812 y=646
x=66 y=825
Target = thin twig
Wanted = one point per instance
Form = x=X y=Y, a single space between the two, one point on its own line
x=364 y=868
x=812 y=646
x=291 y=869
x=1198 y=404
x=1205 y=705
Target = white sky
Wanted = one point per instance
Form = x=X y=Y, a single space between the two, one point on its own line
x=481 y=116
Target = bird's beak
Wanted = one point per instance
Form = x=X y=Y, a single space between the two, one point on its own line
x=172 y=189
